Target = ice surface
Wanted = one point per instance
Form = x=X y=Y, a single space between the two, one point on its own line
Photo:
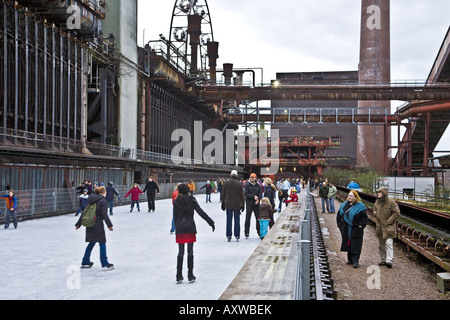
x=41 y=258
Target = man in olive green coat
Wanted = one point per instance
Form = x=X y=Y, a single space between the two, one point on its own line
x=386 y=212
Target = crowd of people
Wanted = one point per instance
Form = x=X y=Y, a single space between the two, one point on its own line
x=254 y=196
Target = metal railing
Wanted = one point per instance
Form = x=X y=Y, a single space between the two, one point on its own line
x=313 y=278
x=302 y=283
x=18 y=139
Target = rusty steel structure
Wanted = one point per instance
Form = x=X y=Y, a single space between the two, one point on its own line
x=369 y=92
x=60 y=105
x=63 y=97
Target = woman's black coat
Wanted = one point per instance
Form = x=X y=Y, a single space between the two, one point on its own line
x=97 y=232
x=357 y=232
x=183 y=214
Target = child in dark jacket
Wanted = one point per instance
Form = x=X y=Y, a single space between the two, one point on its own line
x=135 y=191
x=265 y=215
x=83 y=198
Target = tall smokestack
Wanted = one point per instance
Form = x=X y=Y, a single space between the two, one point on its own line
x=374 y=68
x=195 y=31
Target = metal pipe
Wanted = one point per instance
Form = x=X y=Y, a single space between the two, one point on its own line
x=69 y=85
x=44 y=129
x=75 y=106
x=36 y=77
x=16 y=72
x=27 y=72
x=53 y=83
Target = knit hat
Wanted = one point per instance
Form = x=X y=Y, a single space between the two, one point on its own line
x=183 y=188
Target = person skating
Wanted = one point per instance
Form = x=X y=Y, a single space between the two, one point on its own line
x=208 y=190
x=232 y=200
x=83 y=202
x=97 y=232
x=110 y=192
x=152 y=188
x=11 y=206
x=135 y=191
x=183 y=212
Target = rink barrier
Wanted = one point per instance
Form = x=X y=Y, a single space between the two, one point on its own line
x=33 y=204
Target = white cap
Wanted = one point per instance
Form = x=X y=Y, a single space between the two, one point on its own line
x=234 y=173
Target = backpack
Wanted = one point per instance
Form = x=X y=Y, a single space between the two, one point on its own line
x=89 y=215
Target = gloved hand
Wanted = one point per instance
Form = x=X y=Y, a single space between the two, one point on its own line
x=213 y=228
x=242 y=209
x=223 y=206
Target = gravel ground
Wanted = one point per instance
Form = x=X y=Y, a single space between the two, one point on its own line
x=409 y=278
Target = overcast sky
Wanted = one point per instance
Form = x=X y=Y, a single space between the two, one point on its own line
x=305 y=35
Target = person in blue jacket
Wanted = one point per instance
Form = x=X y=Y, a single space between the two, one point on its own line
x=11 y=206
x=110 y=192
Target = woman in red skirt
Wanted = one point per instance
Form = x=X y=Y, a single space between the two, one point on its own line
x=183 y=213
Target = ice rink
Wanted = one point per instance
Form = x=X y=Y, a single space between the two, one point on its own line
x=41 y=258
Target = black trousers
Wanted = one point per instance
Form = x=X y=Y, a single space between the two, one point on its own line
x=248 y=217
x=151 y=202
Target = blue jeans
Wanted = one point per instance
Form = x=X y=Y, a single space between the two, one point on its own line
x=80 y=209
x=8 y=215
x=111 y=206
x=325 y=201
x=208 y=197
x=236 y=214
x=172 y=229
x=332 y=210
x=135 y=202
x=87 y=253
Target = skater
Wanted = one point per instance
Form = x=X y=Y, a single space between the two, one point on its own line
x=253 y=195
x=386 y=212
x=97 y=232
x=83 y=199
x=135 y=192
x=191 y=186
x=265 y=216
x=184 y=206
x=11 y=206
x=208 y=189
x=152 y=188
x=110 y=192
x=351 y=221
x=232 y=199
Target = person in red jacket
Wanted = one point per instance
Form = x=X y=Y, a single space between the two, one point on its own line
x=135 y=191
x=293 y=197
x=174 y=196
x=11 y=205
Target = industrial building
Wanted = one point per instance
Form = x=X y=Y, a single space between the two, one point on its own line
x=80 y=99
